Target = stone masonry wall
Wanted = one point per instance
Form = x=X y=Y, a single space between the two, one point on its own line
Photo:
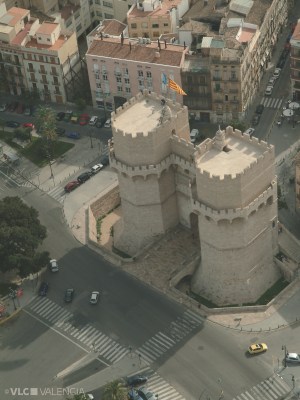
x=106 y=203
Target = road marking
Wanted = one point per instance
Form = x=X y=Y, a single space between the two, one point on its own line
x=61 y=334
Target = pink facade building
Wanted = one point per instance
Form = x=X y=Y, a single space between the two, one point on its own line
x=119 y=68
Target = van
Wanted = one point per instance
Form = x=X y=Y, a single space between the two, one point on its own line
x=107 y=123
x=93 y=120
x=194 y=135
x=54 y=266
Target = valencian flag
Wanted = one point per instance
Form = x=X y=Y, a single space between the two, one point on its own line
x=173 y=85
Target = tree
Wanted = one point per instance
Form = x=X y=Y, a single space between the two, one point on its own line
x=45 y=123
x=20 y=235
x=115 y=390
x=80 y=103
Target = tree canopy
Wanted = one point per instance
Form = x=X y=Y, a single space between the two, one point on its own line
x=115 y=390
x=20 y=235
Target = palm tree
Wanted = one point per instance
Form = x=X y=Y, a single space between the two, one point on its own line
x=114 y=390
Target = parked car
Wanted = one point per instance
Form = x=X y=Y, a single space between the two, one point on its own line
x=12 y=124
x=93 y=120
x=75 y=118
x=28 y=125
x=60 y=116
x=54 y=266
x=20 y=109
x=43 y=289
x=277 y=72
x=3 y=107
x=194 y=135
x=107 y=123
x=84 y=177
x=27 y=110
x=84 y=119
x=68 y=115
x=71 y=186
x=136 y=380
x=96 y=168
x=60 y=131
x=293 y=358
x=272 y=81
x=255 y=119
x=72 y=135
x=257 y=348
x=259 y=109
x=268 y=90
x=69 y=294
x=94 y=297
x=146 y=394
x=12 y=106
x=104 y=160
x=100 y=123
x=250 y=131
x=133 y=395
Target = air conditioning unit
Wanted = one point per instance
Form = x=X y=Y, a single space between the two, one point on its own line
x=140 y=40
x=148 y=41
x=144 y=40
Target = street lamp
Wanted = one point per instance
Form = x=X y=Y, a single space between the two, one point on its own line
x=12 y=295
x=285 y=354
x=91 y=139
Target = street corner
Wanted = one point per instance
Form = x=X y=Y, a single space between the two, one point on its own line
x=10 y=316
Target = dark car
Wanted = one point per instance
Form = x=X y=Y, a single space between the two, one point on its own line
x=255 y=119
x=104 y=160
x=60 y=116
x=71 y=186
x=100 y=123
x=259 y=109
x=12 y=124
x=60 y=131
x=84 y=177
x=136 y=380
x=146 y=394
x=73 y=135
x=69 y=294
x=133 y=395
x=43 y=289
x=68 y=115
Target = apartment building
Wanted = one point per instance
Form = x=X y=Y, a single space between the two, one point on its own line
x=233 y=44
x=36 y=58
x=107 y=27
x=295 y=61
x=119 y=68
x=153 y=18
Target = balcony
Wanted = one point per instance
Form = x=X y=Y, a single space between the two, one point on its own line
x=44 y=82
x=33 y=79
x=54 y=73
x=31 y=70
x=216 y=78
x=42 y=72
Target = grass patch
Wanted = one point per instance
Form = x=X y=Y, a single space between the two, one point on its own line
x=272 y=292
x=34 y=154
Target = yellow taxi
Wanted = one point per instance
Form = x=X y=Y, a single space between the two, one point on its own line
x=257 y=348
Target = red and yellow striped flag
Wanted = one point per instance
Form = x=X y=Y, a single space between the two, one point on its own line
x=173 y=85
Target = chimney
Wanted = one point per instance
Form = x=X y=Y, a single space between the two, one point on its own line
x=101 y=36
x=158 y=42
x=165 y=44
x=129 y=45
x=184 y=45
x=122 y=39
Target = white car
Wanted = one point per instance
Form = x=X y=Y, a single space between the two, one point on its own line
x=107 y=123
x=93 y=120
x=94 y=297
x=277 y=72
x=96 y=168
x=293 y=358
x=54 y=266
x=194 y=135
x=272 y=81
x=3 y=107
x=268 y=90
x=250 y=131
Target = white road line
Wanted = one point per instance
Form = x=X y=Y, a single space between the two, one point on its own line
x=60 y=333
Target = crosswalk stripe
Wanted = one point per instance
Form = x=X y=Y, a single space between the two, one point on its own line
x=104 y=342
x=263 y=391
x=39 y=305
x=198 y=318
x=156 y=345
x=247 y=395
x=61 y=314
x=120 y=355
x=108 y=350
x=269 y=390
x=160 y=342
x=146 y=356
x=167 y=338
x=88 y=334
x=257 y=392
x=150 y=350
x=49 y=313
x=100 y=339
x=92 y=339
x=278 y=384
x=84 y=333
x=160 y=387
x=162 y=338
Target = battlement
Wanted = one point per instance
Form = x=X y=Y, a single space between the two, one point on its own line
x=230 y=214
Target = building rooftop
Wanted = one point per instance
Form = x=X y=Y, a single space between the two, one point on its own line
x=295 y=39
x=47 y=28
x=146 y=109
x=166 y=6
x=169 y=54
x=240 y=155
x=54 y=47
x=13 y=16
x=67 y=11
x=111 y=27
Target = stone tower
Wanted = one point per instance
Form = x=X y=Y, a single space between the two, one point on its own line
x=237 y=218
x=224 y=190
x=142 y=132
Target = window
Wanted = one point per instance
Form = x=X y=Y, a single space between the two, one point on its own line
x=41 y=58
x=107 y=4
x=99 y=14
x=77 y=15
x=105 y=78
x=55 y=80
x=128 y=90
x=155 y=25
x=120 y=89
x=140 y=73
x=108 y=16
x=52 y=59
x=233 y=75
x=141 y=83
x=156 y=34
x=48 y=40
x=78 y=27
x=226 y=97
x=133 y=26
x=126 y=71
x=119 y=79
x=144 y=24
x=98 y=85
x=97 y=76
x=69 y=23
x=166 y=24
x=149 y=75
x=127 y=81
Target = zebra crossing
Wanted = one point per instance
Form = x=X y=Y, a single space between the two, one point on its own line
x=87 y=335
x=272 y=388
x=157 y=385
x=272 y=102
x=162 y=342
x=57 y=193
